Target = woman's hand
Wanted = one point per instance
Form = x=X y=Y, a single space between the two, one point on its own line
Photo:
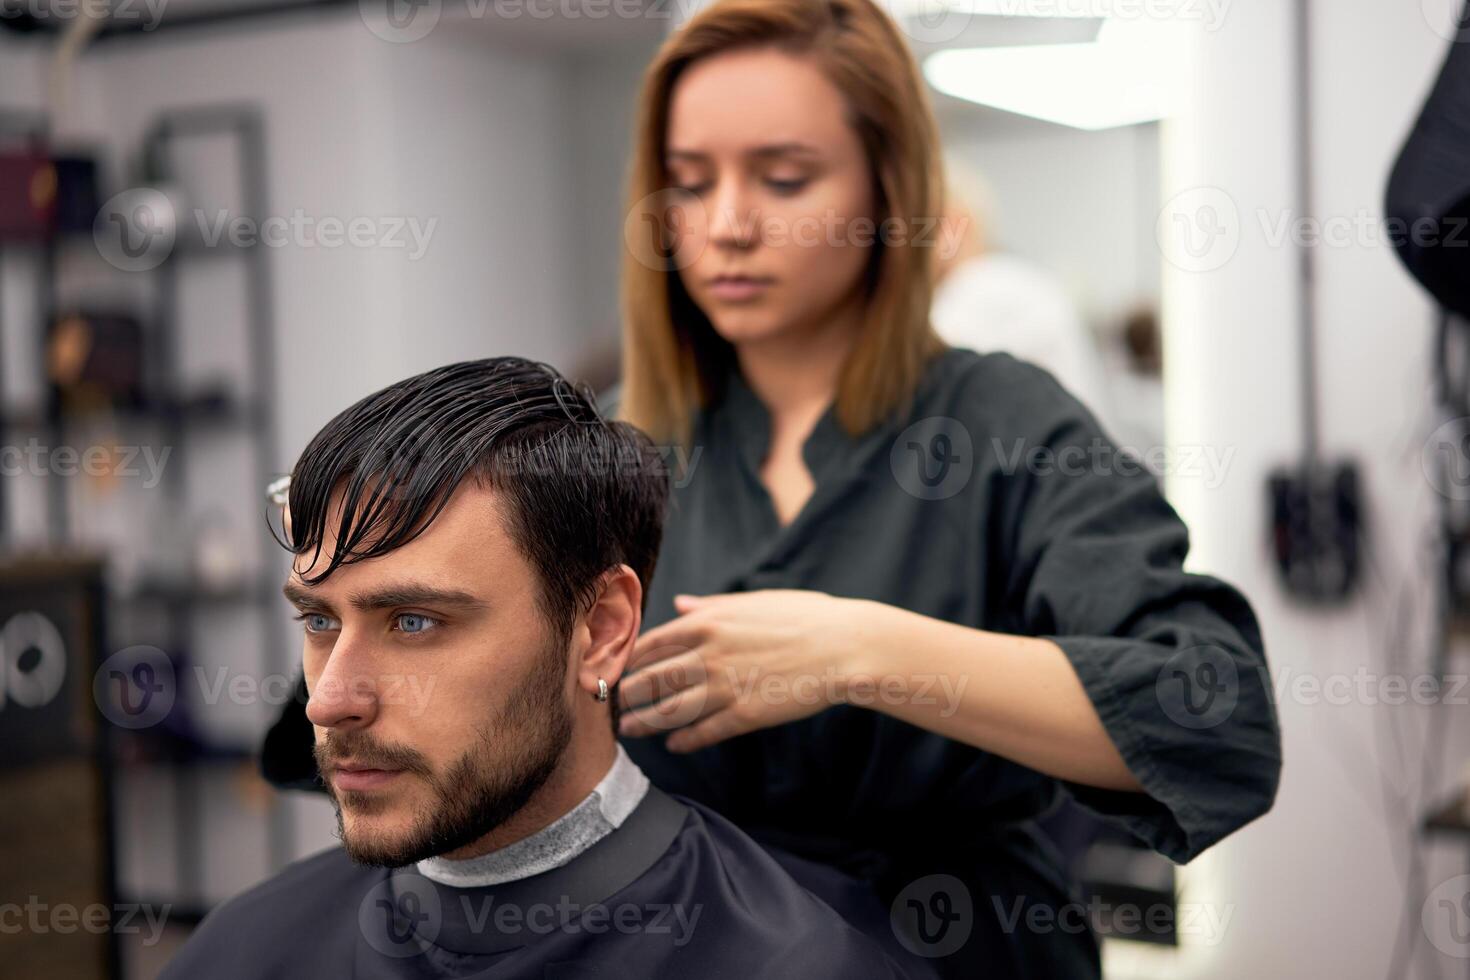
x=738 y=662
x=741 y=661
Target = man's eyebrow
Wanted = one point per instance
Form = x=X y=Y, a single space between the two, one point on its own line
x=413 y=594
x=303 y=598
x=408 y=594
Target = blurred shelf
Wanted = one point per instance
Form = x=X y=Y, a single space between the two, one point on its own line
x=175 y=752
x=1457 y=624
x=192 y=592
x=28 y=567
x=1450 y=817
x=150 y=748
x=198 y=410
x=213 y=756
x=185 y=245
x=193 y=247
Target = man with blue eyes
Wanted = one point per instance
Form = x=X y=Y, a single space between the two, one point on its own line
x=472 y=547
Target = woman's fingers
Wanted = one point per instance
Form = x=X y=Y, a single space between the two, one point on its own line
x=709 y=730
x=676 y=637
x=661 y=679
x=661 y=717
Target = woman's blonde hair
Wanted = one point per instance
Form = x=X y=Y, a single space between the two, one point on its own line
x=673 y=360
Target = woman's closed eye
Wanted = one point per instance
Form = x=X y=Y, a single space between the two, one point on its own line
x=779 y=185
x=791 y=185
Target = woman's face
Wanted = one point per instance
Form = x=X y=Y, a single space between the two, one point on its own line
x=775 y=221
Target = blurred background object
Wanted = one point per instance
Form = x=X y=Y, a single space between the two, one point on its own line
x=987 y=299
x=55 y=772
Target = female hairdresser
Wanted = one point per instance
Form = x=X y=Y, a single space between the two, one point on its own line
x=907 y=594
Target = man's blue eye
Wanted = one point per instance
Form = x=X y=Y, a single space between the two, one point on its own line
x=414 y=623
x=316 y=622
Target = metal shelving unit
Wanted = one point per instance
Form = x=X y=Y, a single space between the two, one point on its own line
x=179 y=418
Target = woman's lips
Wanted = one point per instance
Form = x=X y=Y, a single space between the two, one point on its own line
x=359 y=779
x=738 y=289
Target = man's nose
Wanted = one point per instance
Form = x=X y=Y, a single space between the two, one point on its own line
x=345 y=694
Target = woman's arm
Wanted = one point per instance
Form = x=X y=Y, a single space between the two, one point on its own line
x=742 y=661
x=1014 y=696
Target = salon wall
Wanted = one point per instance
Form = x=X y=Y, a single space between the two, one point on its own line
x=1318 y=887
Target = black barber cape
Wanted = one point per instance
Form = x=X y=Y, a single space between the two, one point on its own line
x=994 y=501
x=676 y=891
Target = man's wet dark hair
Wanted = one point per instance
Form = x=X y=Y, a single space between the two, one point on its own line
x=583 y=493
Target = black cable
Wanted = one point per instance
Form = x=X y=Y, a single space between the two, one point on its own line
x=1307 y=257
x=1452 y=396
x=1410 y=804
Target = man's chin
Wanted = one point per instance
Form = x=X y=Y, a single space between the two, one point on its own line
x=378 y=830
x=380 y=845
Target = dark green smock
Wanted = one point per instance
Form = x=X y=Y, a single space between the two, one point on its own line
x=934 y=511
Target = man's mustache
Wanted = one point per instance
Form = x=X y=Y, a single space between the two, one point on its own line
x=361 y=751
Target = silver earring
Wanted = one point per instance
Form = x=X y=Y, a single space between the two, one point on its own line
x=601 y=689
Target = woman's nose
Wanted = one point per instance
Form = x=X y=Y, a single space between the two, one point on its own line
x=733 y=219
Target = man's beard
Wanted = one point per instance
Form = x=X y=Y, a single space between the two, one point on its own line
x=478 y=792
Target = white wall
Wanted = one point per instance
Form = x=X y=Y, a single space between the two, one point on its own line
x=1318 y=886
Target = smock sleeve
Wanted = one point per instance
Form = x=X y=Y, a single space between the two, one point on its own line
x=1172 y=661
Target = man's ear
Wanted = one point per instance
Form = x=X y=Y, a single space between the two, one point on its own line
x=612 y=625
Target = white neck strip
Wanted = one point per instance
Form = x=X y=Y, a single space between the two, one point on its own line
x=599 y=814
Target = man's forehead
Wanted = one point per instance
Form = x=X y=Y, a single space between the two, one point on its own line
x=467 y=538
